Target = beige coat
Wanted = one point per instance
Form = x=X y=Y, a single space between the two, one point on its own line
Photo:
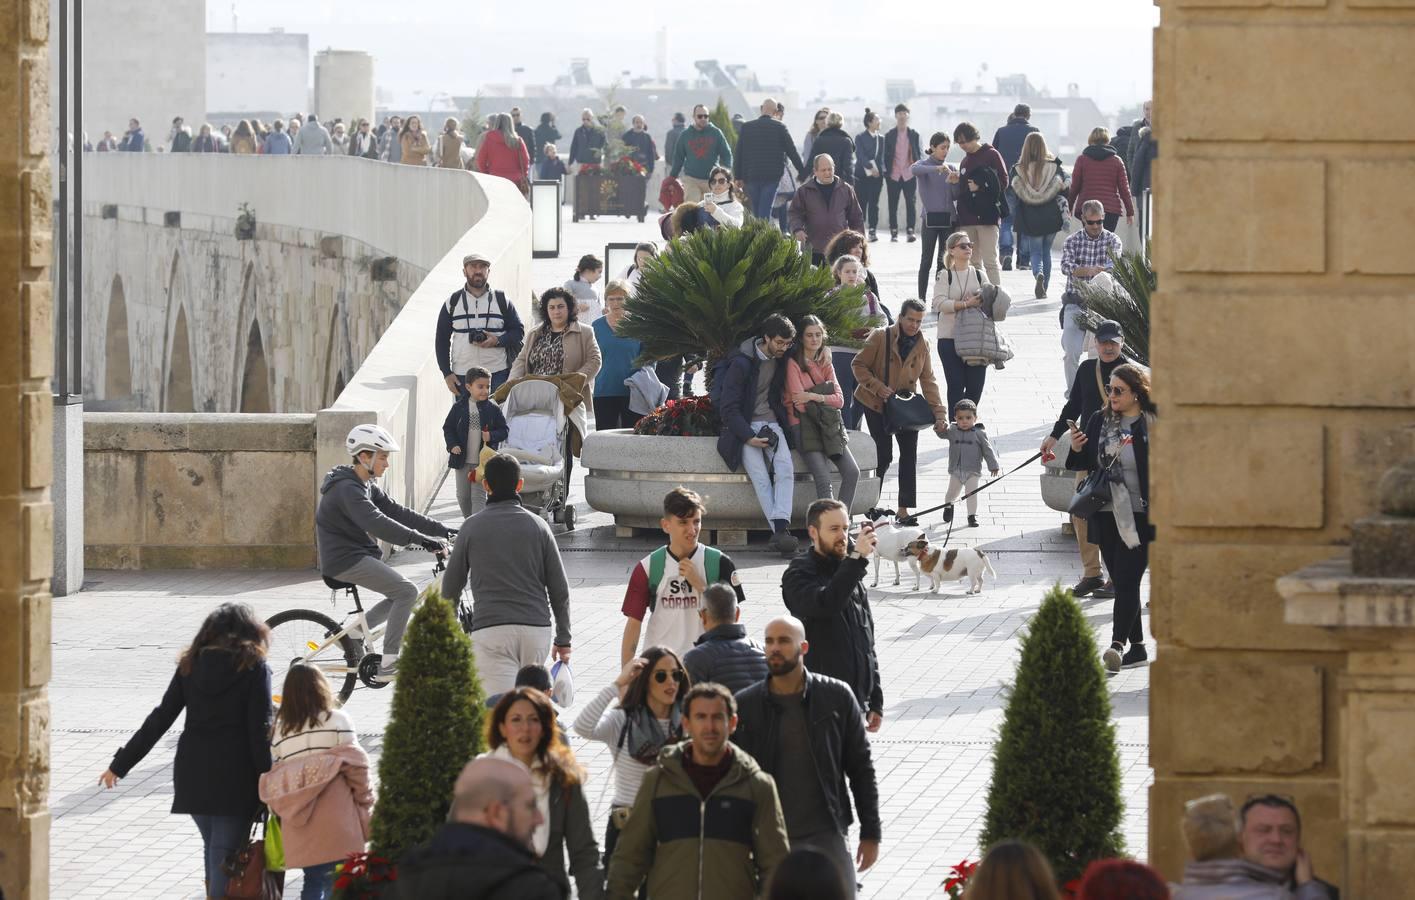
x=581 y=355
x=914 y=374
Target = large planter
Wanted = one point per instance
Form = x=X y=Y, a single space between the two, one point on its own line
x=627 y=475
x=606 y=194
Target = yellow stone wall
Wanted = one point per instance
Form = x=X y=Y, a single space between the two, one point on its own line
x=26 y=410
x=1284 y=351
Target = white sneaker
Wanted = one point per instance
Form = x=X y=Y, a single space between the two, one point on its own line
x=1111 y=658
x=387 y=669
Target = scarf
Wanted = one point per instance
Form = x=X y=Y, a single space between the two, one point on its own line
x=1111 y=443
x=644 y=737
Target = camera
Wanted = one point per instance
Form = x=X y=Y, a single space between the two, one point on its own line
x=476 y=336
x=768 y=435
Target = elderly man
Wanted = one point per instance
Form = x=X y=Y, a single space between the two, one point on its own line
x=823 y=207
x=724 y=653
x=1270 y=830
x=763 y=148
x=642 y=148
x=484 y=849
x=1087 y=259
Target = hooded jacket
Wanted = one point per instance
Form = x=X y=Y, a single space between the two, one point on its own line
x=691 y=847
x=314 y=139
x=1099 y=174
x=829 y=596
x=1238 y=879
x=727 y=656
x=739 y=399
x=323 y=800
x=353 y=512
x=1040 y=208
x=472 y=862
x=225 y=742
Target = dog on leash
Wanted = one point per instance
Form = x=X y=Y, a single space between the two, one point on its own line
x=940 y=564
x=895 y=543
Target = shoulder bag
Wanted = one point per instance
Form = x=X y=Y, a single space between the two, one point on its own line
x=904 y=410
x=1093 y=492
x=249 y=879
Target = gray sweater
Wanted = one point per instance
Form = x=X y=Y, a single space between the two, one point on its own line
x=967 y=450
x=509 y=559
x=353 y=512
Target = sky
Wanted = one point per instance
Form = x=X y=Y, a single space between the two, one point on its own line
x=434 y=46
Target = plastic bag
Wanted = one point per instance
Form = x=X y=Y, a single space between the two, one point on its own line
x=562 y=684
x=274 y=845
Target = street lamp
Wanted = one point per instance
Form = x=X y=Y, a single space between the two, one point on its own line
x=545 y=219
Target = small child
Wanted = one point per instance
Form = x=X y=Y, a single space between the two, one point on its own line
x=968 y=447
x=552 y=167
x=473 y=422
x=587 y=272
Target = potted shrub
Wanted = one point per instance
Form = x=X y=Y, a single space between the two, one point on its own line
x=245 y=223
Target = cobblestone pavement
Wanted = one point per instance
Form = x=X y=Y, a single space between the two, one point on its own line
x=946 y=659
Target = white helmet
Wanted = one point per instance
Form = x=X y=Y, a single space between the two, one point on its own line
x=369 y=437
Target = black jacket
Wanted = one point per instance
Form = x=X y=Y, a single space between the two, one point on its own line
x=739 y=398
x=642 y=148
x=891 y=137
x=545 y=133
x=763 y=147
x=839 y=746
x=1009 y=138
x=830 y=597
x=1085 y=461
x=454 y=429
x=726 y=656
x=841 y=148
x=1142 y=154
x=470 y=862
x=1085 y=397
x=225 y=742
x=583 y=142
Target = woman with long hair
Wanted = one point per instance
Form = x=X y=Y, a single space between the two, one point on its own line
x=447 y=152
x=720 y=201
x=643 y=252
x=502 y=153
x=523 y=727
x=413 y=142
x=958 y=286
x=319 y=783
x=1117 y=439
x=1040 y=184
x=817 y=126
x=223 y=682
x=814 y=399
x=1012 y=870
x=647 y=717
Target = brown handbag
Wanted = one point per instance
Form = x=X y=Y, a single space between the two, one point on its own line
x=245 y=871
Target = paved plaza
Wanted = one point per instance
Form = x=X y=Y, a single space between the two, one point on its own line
x=946 y=659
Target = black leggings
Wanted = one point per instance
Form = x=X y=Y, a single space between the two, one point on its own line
x=884 y=450
x=935 y=245
x=1126 y=567
x=868 y=188
x=908 y=187
x=964 y=381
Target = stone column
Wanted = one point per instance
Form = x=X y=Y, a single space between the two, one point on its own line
x=1283 y=371
x=26 y=361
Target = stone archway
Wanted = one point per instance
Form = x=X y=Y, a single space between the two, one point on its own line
x=118 y=368
x=255 y=378
x=177 y=394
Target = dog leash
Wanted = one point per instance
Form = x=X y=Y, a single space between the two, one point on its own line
x=948 y=516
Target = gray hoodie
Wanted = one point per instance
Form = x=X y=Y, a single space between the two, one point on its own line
x=314 y=140
x=352 y=512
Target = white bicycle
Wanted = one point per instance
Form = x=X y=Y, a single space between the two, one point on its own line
x=309 y=637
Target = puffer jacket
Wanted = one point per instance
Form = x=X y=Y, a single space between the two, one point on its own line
x=1100 y=174
x=727 y=656
x=695 y=848
x=323 y=800
x=977 y=339
x=1238 y=879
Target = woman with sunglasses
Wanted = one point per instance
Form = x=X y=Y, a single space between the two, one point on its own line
x=958 y=286
x=1117 y=438
x=648 y=717
x=719 y=202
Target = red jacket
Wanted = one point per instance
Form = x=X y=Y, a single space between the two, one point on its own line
x=1099 y=174
x=986 y=155
x=495 y=158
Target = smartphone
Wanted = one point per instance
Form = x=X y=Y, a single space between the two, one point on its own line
x=1071 y=423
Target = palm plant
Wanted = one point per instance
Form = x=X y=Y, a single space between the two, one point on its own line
x=1129 y=306
x=711 y=290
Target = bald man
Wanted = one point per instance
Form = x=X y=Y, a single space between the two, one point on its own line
x=764 y=147
x=796 y=716
x=484 y=850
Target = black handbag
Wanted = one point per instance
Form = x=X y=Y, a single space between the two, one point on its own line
x=1092 y=493
x=904 y=410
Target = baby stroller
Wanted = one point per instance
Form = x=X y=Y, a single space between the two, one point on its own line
x=539 y=431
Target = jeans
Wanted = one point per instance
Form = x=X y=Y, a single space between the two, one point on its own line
x=220 y=837
x=502 y=650
x=845 y=377
x=318 y=881
x=613 y=412
x=1126 y=567
x=965 y=382
x=984 y=238
x=907 y=188
x=1073 y=339
x=935 y=246
x=834 y=846
x=1038 y=249
x=1004 y=236
x=760 y=196
x=1013 y=204
x=471 y=498
x=884 y=449
x=819 y=464
x=868 y=189
x=956 y=486
x=399 y=594
x=774 y=488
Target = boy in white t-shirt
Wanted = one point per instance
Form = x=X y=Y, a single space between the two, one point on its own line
x=668 y=584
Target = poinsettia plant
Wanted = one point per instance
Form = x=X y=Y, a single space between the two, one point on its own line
x=688 y=417
x=624 y=165
x=363 y=876
x=958 y=876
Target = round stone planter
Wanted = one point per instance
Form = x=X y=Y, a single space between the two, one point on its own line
x=627 y=475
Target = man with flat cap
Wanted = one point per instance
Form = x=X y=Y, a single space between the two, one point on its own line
x=477 y=327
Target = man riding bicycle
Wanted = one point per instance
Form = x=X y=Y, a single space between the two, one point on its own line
x=353 y=512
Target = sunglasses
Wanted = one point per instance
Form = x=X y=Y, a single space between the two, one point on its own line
x=1118 y=391
x=718 y=181
x=700 y=118
x=1090 y=222
x=963 y=246
x=661 y=676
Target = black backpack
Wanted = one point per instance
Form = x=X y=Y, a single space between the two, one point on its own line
x=512 y=350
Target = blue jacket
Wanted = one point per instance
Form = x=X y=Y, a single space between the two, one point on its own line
x=1009 y=138
x=617 y=355
x=133 y=142
x=739 y=397
x=869 y=147
x=454 y=429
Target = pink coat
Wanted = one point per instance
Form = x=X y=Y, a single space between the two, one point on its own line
x=323 y=800
x=797 y=381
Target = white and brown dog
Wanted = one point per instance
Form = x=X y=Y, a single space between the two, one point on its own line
x=895 y=543
x=955 y=565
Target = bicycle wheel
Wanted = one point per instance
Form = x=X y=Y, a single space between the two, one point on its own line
x=304 y=636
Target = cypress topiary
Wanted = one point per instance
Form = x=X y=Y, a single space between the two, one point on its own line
x=723 y=120
x=434 y=729
x=1056 y=775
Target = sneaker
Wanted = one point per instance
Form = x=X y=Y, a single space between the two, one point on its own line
x=1135 y=657
x=1111 y=658
x=972 y=521
x=1040 y=292
x=387 y=670
x=1087 y=586
x=873 y=236
x=912 y=239
x=1105 y=591
x=1007 y=264
x=785 y=542
x=894 y=237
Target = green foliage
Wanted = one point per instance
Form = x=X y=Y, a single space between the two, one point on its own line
x=711 y=290
x=434 y=729
x=723 y=120
x=473 y=123
x=1131 y=308
x=1056 y=776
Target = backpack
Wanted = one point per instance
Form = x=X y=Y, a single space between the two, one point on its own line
x=512 y=350
x=712 y=564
